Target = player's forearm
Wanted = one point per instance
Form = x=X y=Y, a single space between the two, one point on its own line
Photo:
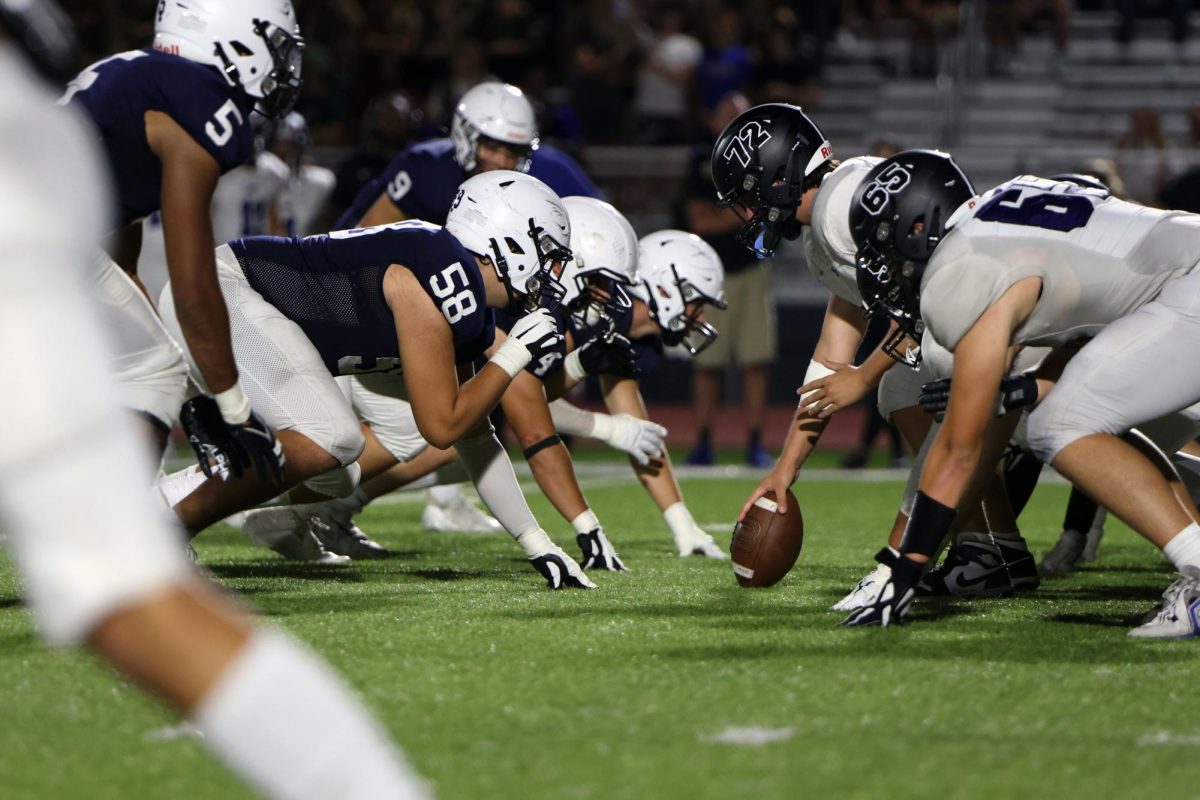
x=204 y=321
x=802 y=438
x=443 y=424
x=555 y=475
x=622 y=396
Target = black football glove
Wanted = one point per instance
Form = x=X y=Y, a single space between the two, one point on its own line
x=226 y=450
x=610 y=353
x=1016 y=391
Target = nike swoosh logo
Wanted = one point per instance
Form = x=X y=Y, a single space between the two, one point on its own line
x=963 y=582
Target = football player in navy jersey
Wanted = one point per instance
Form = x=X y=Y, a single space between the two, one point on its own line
x=406 y=308
x=172 y=120
x=102 y=569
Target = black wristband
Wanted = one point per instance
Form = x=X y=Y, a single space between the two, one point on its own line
x=538 y=447
x=927 y=527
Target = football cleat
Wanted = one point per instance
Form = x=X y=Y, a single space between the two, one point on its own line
x=1178 y=616
x=287 y=532
x=461 y=517
x=977 y=565
x=347 y=540
x=598 y=551
x=888 y=607
x=560 y=570
x=868 y=588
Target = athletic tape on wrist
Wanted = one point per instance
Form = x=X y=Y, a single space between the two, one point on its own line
x=815 y=372
x=234 y=405
x=538 y=447
x=573 y=366
x=512 y=357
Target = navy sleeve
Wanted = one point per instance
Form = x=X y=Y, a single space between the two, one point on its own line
x=211 y=114
x=562 y=173
x=451 y=278
x=397 y=182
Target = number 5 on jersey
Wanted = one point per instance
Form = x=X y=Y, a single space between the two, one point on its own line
x=455 y=304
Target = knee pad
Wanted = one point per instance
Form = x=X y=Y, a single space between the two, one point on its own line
x=336 y=483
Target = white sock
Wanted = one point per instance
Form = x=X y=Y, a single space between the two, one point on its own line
x=586 y=522
x=445 y=496
x=287 y=724
x=1184 y=548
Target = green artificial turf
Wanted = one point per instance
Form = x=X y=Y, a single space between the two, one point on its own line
x=498 y=688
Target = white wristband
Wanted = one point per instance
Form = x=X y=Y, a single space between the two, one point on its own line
x=604 y=426
x=815 y=372
x=235 y=408
x=574 y=367
x=534 y=542
x=679 y=519
x=512 y=357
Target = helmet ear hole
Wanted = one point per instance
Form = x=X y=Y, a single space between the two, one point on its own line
x=513 y=246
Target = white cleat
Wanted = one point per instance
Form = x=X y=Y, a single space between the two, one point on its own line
x=462 y=517
x=1066 y=554
x=347 y=540
x=698 y=543
x=289 y=533
x=1179 y=615
x=867 y=590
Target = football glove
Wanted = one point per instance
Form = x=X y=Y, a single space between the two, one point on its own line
x=1016 y=391
x=560 y=570
x=598 y=551
x=640 y=438
x=538 y=332
x=226 y=450
x=607 y=354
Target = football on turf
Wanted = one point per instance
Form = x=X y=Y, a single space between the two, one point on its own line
x=766 y=543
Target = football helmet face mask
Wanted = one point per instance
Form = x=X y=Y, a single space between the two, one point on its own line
x=898 y=217
x=762 y=164
x=520 y=224
x=255 y=44
x=681 y=274
x=496 y=113
x=605 y=251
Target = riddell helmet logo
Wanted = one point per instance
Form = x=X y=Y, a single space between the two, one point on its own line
x=751 y=137
x=172 y=49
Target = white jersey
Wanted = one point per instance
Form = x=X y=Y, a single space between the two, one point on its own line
x=1098 y=258
x=829 y=248
x=303 y=198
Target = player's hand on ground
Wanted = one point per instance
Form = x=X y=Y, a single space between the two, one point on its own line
x=538 y=332
x=825 y=396
x=696 y=542
x=777 y=482
x=227 y=450
x=560 y=570
x=598 y=552
x=640 y=438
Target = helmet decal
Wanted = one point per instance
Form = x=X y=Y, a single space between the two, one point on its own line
x=876 y=193
x=747 y=140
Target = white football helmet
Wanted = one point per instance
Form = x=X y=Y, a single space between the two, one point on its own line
x=256 y=44
x=521 y=225
x=681 y=269
x=497 y=111
x=604 y=247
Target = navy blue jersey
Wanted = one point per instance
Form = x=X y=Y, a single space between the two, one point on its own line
x=118 y=91
x=331 y=285
x=423 y=180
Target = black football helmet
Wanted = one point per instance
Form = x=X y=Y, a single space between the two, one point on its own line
x=1081 y=180
x=898 y=216
x=762 y=162
x=44 y=32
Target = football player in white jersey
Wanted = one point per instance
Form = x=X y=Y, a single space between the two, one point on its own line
x=810 y=195
x=1043 y=263
x=307 y=187
x=101 y=568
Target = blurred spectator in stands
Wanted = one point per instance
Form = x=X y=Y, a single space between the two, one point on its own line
x=816 y=22
x=516 y=37
x=930 y=23
x=1105 y=170
x=1182 y=192
x=885 y=148
x=1143 y=156
x=1007 y=20
x=747 y=327
x=861 y=17
x=468 y=66
x=726 y=66
x=1176 y=12
x=388 y=125
x=599 y=44
x=786 y=73
x=664 y=80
